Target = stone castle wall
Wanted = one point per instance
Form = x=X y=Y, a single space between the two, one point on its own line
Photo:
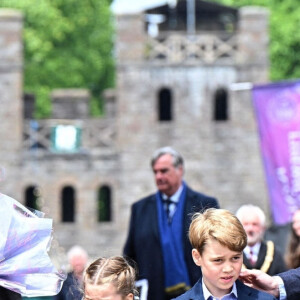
x=221 y=158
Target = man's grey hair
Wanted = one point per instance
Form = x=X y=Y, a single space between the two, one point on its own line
x=177 y=157
x=249 y=209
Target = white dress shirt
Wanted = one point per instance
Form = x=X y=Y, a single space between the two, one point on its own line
x=175 y=198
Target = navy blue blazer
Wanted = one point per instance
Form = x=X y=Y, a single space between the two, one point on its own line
x=291 y=281
x=244 y=293
x=143 y=241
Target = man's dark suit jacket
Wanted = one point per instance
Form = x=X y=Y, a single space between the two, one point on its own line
x=291 y=281
x=6 y=294
x=244 y=293
x=143 y=242
x=277 y=265
x=70 y=290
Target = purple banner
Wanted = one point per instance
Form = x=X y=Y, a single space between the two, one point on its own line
x=278 y=115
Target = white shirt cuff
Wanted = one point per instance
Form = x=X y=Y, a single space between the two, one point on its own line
x=282 y=291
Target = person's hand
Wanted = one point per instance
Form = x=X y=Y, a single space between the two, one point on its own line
x=261 y=281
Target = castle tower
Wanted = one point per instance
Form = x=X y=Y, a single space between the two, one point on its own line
x=175 y=89
x=11 y=91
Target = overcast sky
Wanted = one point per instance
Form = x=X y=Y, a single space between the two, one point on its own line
x=125 y=6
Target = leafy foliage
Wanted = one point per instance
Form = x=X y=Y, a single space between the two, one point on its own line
x=68 y=44
x=284 y=35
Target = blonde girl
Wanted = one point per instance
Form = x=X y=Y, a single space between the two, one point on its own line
x=109 y=279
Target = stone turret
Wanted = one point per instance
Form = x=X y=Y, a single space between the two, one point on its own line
x=11 y=86
x=253 y=41
x=131 y=37
x=185 y=75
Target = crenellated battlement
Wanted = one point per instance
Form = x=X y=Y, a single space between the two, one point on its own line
x=242 y=41
x=182 y=49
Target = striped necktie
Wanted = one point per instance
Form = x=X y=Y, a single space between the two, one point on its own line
x=251 y=258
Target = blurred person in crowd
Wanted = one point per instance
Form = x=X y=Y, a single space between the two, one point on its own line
x=72 y=287
x=259 y=254
x=110 y=278
x=157 y=239
x=293 y=248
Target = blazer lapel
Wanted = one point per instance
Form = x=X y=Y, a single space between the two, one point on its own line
x=188 y=205
x=243 y=291
x=261 y=255
x=152 y=209
x=196 y=292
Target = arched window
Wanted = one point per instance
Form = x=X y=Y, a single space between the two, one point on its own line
x=32 y=194
x=165 y=105
x=68 y=204
x=104 y=204
x=221 y=105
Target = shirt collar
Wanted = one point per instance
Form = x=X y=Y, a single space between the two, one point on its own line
x=207 y=293
x=255 y=249
x=175 y=197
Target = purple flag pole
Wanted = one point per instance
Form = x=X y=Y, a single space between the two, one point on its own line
x=277 y=109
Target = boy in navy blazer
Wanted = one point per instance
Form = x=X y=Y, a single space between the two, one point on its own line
x=218 y=239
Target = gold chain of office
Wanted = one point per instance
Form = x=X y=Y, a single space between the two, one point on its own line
x=268 y=259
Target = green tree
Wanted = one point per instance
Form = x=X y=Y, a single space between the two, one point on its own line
x=284 y=35
x=68 y=44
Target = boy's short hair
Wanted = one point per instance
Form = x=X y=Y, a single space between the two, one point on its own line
x=220 y=225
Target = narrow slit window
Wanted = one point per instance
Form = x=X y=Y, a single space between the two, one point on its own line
x=221 y=105
x=68 y=204
x=104 y=204
x=165 y=105
x=32 y=194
